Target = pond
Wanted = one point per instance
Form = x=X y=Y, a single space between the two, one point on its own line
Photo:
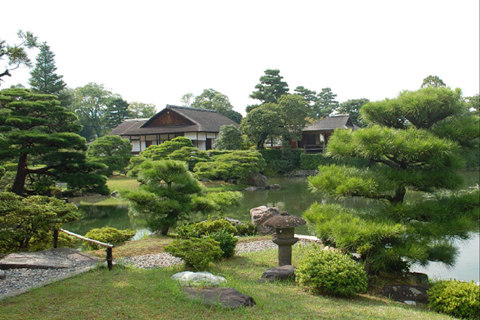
x=294 y=197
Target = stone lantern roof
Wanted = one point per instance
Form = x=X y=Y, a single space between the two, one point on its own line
x=284 y=220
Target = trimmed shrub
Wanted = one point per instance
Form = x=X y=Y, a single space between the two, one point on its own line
x=282 y=162
x=330 y=272
x=456 y=298
x=227 y=242
x=199 y=229
x=108 y=235
x=196 y=253
x=246 y=229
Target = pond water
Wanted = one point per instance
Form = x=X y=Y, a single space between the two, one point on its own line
x=294 y=197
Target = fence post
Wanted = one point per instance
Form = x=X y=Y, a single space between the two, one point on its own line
x=55 y=238
x=109 y=258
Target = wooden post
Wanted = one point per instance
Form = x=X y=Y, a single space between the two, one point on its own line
x=109 y=258
x=55 y=238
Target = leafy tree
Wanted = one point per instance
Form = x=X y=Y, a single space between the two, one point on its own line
x=44 y=78
x=229 y=138
x=168 y=193
x=262 y=123
x=293 y=112
x=432 y=81
x=113 y=151
x=410 y=156
x=352 y=108
x=474 y=103
x=90 y=104
x=16 y=55
x=116 y=112
x=29 y=222
x=309 y=95
x=40 y=135
x=142 y=110
x=213 y=100
x=186 y=99
x=325 y=104
x=271 y=87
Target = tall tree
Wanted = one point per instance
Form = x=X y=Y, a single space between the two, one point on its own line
x=90 y=104
x=271 y=87
x=113 y=151
x=142 y=110
x=44 y=78
x=293 y=112
x=213 y=100
x=116 y=112
x=409 y=155
x=229 y=138
x=187 y=99
x=15 y=56
x=262 y=123
x=352 y=107
x=325 y=104
x=40 y=135
x=474 y=102
x=432 y=81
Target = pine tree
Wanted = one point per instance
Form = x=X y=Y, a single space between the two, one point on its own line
x=44 y=78
x=116 y=112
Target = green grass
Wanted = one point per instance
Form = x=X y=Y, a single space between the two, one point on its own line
x=127 y=293
x=121 y=182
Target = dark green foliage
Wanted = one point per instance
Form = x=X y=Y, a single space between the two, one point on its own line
x=16 y=55
x=246 y=229
x=238 y=164
x=432 y=81
x=280 y=161
x=227 y=242
x=39 y=132
x=324 y=105
x=199 y=229
x=313 y=161
x=27 y=223
x=108 y=235
x=169 y=193
x=330 y=272
x=455 y=298
x=213 y=100
x=116 y=112
x=43 y=77
x=141 y=110
x=197 y=253
x=271 y=87
x=262 y=123
x=229 y=138
x=352 y=108
x=113 y=151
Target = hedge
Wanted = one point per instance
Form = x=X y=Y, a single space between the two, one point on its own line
x=312 y=161
x=281 y=162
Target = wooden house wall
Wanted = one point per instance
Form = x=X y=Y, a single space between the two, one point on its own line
x=169 y=118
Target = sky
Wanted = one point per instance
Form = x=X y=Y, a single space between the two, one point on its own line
x=156 y=51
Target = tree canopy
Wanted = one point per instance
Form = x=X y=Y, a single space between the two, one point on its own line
x=15 y=56
x=229 y=138
x=213 y=100
x=44 y=78
x=113 y=151
x=432 y=81
x=352 y=108
x=270 y=88
x=142 y=110
x=40 y=136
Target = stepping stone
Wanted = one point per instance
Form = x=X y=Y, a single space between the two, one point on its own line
x=282 y=273
x=205 y=279
x=226 y=297
x=34 y=260
x=406 y=293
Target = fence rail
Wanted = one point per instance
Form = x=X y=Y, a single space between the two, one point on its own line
x=103 y=244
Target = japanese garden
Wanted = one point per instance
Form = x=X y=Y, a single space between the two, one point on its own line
x=303 y=207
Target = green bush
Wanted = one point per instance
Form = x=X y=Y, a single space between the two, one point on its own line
x=246 y=229
x=330 y=272
x=199 y=229
x=108 y=235
x=227 y=242
x=313 y=161
x=196 y=253
x=282 y=162
x=456 y=298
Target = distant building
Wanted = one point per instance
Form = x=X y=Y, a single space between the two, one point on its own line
x=199 y=125
x=315 y=136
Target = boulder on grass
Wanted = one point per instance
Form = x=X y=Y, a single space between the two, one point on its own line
x=195 y=279
x=261 y=214
x=283 y=273
x=226 y=297
x=406 y=293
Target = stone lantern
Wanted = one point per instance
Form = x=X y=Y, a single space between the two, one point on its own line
x=284 y=237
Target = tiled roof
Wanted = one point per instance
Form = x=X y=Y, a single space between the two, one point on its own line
x=203 y=121
x=340 y=121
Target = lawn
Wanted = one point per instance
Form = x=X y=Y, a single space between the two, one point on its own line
x=129 y=293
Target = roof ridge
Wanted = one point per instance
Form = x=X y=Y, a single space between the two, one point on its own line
x=189 y=108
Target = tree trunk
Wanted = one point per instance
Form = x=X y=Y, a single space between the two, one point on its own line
x=399 y=195
x=164 y=231
x=19 y=183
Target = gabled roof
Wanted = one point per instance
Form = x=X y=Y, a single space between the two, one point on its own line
x=338 y=121
x=202 y=120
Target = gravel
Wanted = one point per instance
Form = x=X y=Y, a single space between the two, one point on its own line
x=21 y=280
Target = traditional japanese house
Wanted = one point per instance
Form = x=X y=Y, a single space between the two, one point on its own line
x=199 y=125
x=315 y=136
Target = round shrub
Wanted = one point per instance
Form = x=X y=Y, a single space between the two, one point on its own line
x=330 y=272
x=199 y=229
x=196 y=253
x=246 y=229
x=226 y=241
x=456 y=298
x=109 y=235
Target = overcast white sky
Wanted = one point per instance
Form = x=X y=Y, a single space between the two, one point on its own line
x=156 y=51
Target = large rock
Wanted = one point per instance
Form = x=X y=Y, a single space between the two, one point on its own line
x=34 y=260
x=282 y=273
x=204 y=279
x=226 y=297
x=258 y=180
x=417 y=278
x=406 y=293
x=261 y=214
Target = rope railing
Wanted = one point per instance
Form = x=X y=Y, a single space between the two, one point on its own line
x=103 y=244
